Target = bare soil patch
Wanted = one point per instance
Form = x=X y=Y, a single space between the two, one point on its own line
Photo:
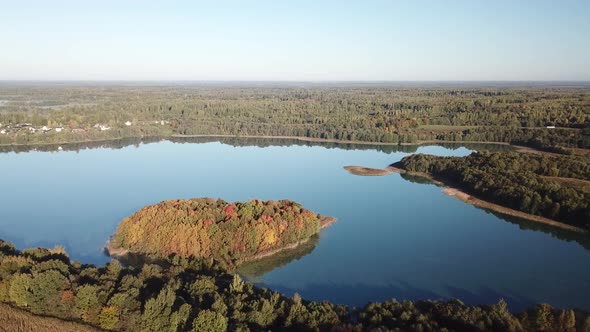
x=366 y=171
x=465 y=197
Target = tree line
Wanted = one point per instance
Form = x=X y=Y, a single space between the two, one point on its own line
x=190 y=294
x=372 y=114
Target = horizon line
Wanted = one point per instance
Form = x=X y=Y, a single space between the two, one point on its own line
x=286 y=80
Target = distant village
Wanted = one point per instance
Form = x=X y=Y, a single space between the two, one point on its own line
x=6 y=129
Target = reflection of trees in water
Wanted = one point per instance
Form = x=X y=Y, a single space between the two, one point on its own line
x=233 y=141
x=563 y=234
x=242 y=141
x=416 y=178
x=266 y=142
x=110 y=144
x=477 y=146
x=250 y=270
x=253 y=270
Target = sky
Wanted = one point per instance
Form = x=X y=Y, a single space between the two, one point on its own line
x=300 y=40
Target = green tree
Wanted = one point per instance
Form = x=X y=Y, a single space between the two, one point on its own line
x=237 y=284
x=156 y=315
x=45 y=291
x=209 y=321
x=19 y=289
x=87 y=305
x=109 y=317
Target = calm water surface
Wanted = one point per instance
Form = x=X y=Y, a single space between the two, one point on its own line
x=394 y=238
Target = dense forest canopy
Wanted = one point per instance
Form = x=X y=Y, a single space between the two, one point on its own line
x=553 y=186
x=376 y=113
x=187 y=294
x=230 y=233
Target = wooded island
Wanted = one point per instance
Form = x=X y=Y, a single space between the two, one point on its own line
x=229 y=233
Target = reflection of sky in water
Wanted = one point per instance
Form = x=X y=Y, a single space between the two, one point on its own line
x=393 y=238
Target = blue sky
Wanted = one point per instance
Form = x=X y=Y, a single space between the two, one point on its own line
x=295 y=40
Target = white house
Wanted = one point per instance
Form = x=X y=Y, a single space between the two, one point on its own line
x=58 y=129
x=2 y=131
x=128 y=123
x=550 y=127
x=102 y=127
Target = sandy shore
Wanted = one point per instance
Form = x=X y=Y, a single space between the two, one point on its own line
x=326 y=221
x=467 y=198
x=366 y=171
x=267 y=253
x=113 y=251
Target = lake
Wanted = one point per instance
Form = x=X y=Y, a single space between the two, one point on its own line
x=396 y=237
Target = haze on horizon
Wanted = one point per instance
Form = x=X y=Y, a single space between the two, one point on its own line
x=330 y=40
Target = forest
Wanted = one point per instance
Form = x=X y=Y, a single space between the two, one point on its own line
x=543 y=117
x=197 y=294
x=229 y=233
x=553 y=186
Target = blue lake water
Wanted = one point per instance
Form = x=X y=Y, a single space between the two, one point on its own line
x=394 y=238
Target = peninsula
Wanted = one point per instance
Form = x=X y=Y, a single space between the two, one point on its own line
x=552 y=189
x=367 y=171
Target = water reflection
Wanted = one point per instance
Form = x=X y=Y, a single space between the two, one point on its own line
x=559 y=233
x=359 y=294
x=255 y=269
x=242 y=142
x=524 y=224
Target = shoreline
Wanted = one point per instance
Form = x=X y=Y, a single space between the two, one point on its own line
x=298 y=138
x=331 y=140
x=367 y=171
x=105 y=140
x=114 y=252
x=467 y=198
x=272 y=252
x=326 y=222
x=518 y=148
x=475 y=201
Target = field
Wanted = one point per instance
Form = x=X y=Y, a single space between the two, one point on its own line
x=16 y=320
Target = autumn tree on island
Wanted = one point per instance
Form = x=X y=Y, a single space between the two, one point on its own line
x=230 y=233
